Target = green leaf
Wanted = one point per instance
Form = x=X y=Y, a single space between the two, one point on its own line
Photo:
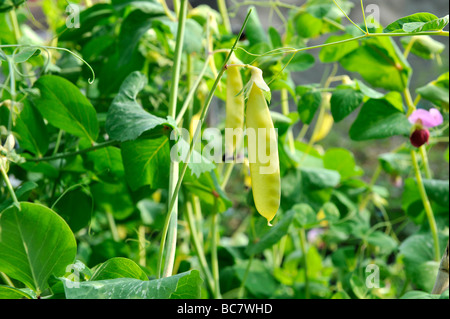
x=423 y=46
x=114 y=198
x=185 y=285
x=334 y=53
x=418 y=18
x=65 y=107
x=380 y=62
x=25 y=54
x=7 y=292
x=118 y=267
x=319 y=178
x=7 y=5
x=380 y=118
x=273 y=236
x=307 y=25
x=76 y=208
x=437 y=91
x=308 y=105
x=147 y=162
x=300 y=62
x=331 y=212
x=304 y=216
x=418 y=257
x=126 y=119
x=434 y=25
x=437 y=191
x=385 y=243
x=342 y=161
x=32 y=132
x=416 y=294
x=31 y=236
x=344 y=101
x=254 y=30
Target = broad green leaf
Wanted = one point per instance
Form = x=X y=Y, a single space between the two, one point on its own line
x=107 y=164
x=126 y=119
x=434 y=25
x=307 y=25
x=275 y=38
x=342 y=161
x=31 y=129
x=304 y=216
x=35 y=243
x=344 y=101
x=334 y=53
x=308 y=105
x=437 y=191
x=182 y=286
x=7 y=5
x=417 y=294
x=358 y=286
x=380 y=62
x=380 y=118
x=7 y=292
x=437 y=91
x=300 y=62
x=319 y=178
x=25 y=54
x=65 y=107
x=423 y=46
x=147 y=162
x=254 y=30
x=88 y=19
x=22 y=194
x=76 y=207
x=385 y=243
x=418 y=255
x=259 y=280
x=273 y=236
x=418 y=18
x=118 y=267
x=395 y=163
x=114 y=198
x=331 y=212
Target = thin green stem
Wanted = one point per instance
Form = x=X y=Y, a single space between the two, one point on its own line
x=224 y=13
x=214 y=245
x=6 y=279
x=426 y=163
x=66 y=155
x=10 y=187
x=427 y=205
x=196 y=240
x=192 y=91
x=174 y=166
x=285 y=111
x=113 y=226
x=409 y=101
x=304 y=261
x=194 y=141
x=364 y=16
x=244 y=279
x=348 y=18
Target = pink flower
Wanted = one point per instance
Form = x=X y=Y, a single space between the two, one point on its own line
x=422 y=121
x=426 y=118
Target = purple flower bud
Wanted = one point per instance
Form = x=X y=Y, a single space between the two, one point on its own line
x=419 y=137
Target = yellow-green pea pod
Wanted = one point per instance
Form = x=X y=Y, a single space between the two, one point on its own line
x=234 y=107
x=264 y=170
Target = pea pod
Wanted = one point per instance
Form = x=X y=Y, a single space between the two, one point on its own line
x=263 y=156
x=234 y=106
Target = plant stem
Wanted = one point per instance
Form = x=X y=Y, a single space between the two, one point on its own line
x=304 y=261
x=426 y=164
x=174 y=166
x=10 y=187
x=222 y=4
x=142 y=245
x=194 y=141
x=214 y=245
x=285 y=111
x=6 y=279
x=441 y=283
x=113 y=226
x=427 y=205
x=199 y=247
x=244 y=279
x=65 y=155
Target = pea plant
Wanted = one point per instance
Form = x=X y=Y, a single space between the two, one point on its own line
x=160 y=150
